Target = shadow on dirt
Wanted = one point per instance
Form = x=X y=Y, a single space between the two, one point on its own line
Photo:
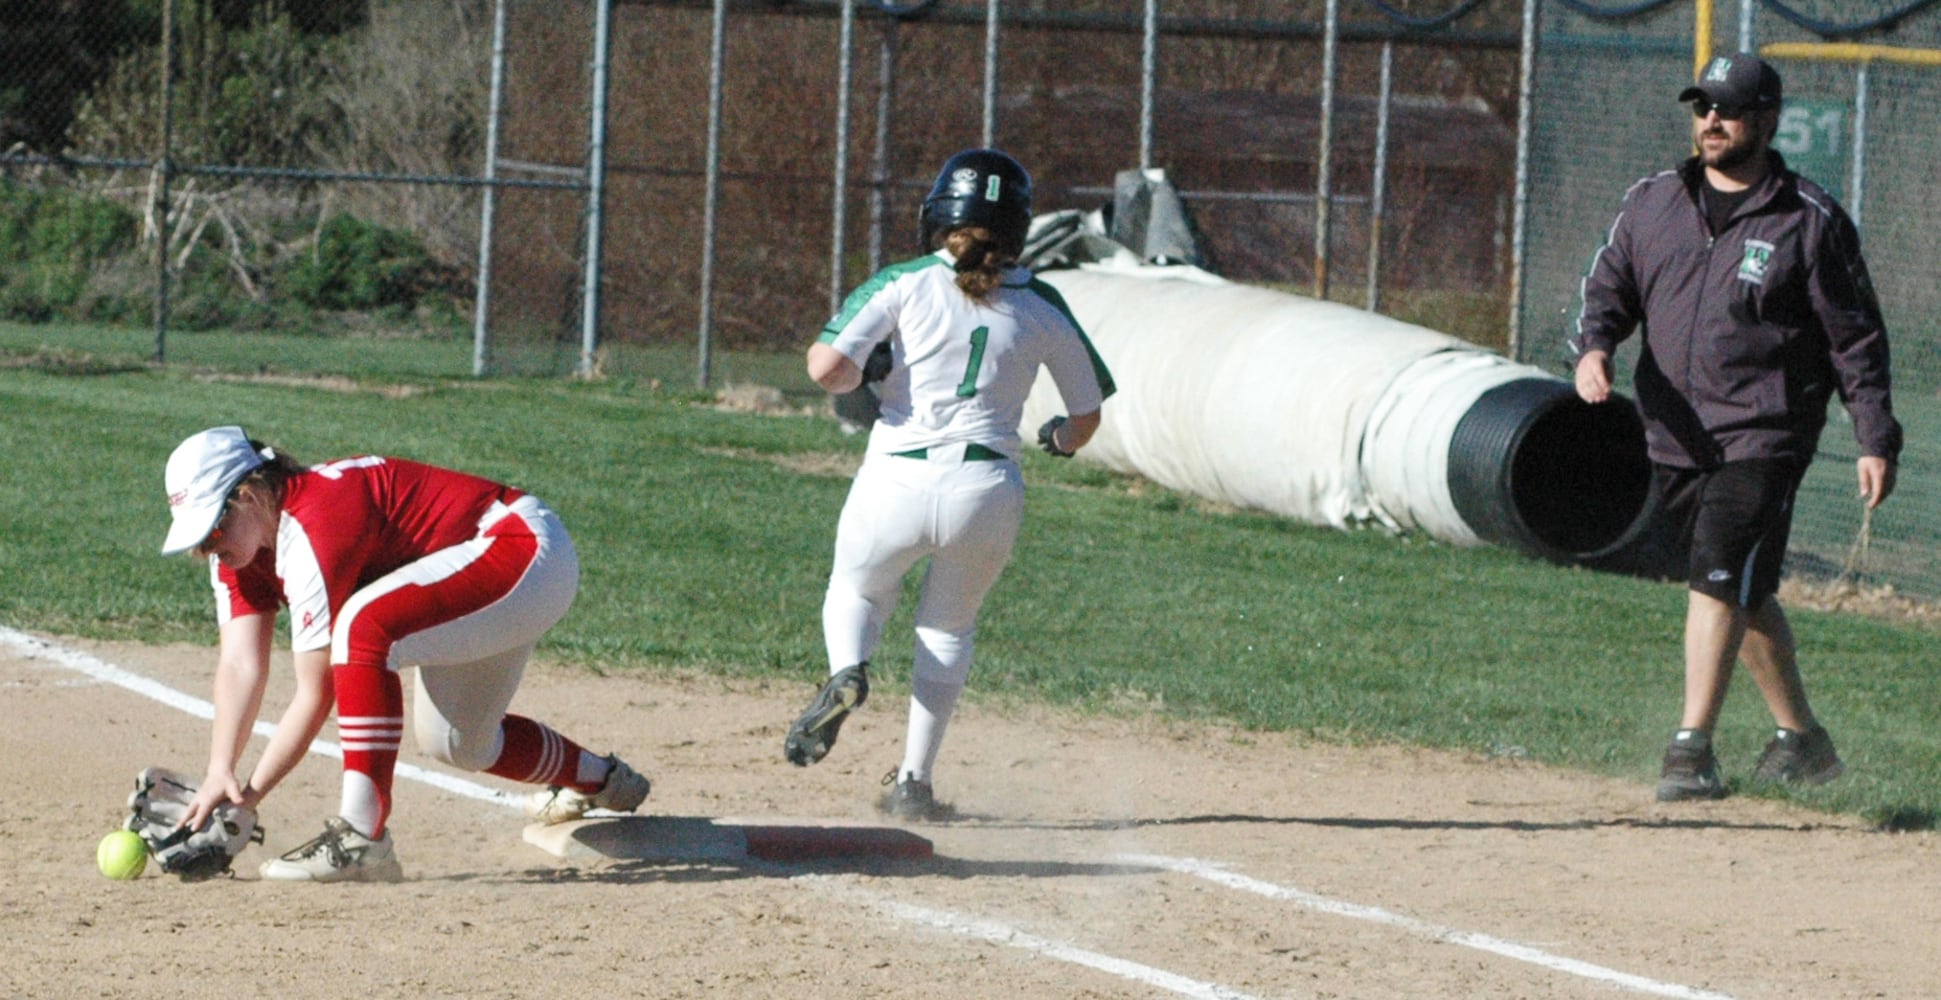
x=1389 y=823
x=673 y=872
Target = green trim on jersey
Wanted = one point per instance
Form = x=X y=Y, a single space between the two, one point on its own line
x=1045 y=291
x=861 y=296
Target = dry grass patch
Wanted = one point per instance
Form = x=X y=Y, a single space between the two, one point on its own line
x=830 y=464
x=762 y=400
x=328 y=383
x=63 y=361
x=1849 y=596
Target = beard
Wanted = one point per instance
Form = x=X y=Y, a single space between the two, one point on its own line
x=1734 y=154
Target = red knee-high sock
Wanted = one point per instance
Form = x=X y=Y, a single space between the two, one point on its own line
x=370 y=722
x=537 y=755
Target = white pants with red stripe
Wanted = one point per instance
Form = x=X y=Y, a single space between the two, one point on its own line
x=511 y=583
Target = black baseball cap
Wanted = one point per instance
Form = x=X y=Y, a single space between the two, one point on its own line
x=1736 y=81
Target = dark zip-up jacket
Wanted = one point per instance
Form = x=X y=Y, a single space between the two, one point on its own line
x=1747 y=334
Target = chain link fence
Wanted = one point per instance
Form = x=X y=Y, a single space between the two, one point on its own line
x=307 y=166
x=1862 y=117
x=502 y=138
x=1234 y=120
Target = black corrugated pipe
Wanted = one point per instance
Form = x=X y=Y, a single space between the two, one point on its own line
x=1533 y=467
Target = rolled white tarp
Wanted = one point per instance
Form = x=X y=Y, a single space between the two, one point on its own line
x=1334 y=415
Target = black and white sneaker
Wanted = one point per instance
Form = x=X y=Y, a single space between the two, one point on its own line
x=815 y=732
x=910 y=799
x=1690 y=770
x=1797 y=758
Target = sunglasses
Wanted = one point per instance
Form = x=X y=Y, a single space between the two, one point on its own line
x=1702 y=108
x=215 y=533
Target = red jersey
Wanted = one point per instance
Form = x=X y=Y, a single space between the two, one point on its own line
x=345 y=524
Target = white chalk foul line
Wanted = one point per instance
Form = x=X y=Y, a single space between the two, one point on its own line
x=34 y=648
x=93 y=666
x=1004 y=934
x=1214 y=872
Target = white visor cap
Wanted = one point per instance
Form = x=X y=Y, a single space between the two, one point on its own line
x=199 y=476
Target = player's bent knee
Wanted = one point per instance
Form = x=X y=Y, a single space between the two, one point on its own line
x=449 y=746
x=943 y=657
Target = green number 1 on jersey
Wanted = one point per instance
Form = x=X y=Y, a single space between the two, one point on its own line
x=968 y=388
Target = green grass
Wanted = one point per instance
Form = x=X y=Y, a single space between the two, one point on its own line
x=705 y=549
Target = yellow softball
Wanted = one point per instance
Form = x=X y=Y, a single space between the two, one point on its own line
x=122 y=855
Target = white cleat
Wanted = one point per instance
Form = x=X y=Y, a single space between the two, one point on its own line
x=624 y=791
x=339 y=854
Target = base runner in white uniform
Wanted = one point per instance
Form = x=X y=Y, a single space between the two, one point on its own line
x=383 y=563
x=956 y=339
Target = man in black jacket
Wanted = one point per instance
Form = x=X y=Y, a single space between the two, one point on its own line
x=1755 y=307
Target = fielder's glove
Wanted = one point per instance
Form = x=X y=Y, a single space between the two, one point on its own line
x=1048 y=440
x=160 y=800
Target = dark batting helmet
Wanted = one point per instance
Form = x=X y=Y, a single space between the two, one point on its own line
x=979 y=187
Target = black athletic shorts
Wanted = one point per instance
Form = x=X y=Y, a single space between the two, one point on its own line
x=1734 y=521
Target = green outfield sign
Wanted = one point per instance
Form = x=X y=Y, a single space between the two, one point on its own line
x=1814 y=137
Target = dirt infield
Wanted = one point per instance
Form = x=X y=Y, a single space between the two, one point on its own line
x=1091 y=859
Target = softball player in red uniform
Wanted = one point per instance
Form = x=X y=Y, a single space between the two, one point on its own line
x=956 y=339
x=383 y=563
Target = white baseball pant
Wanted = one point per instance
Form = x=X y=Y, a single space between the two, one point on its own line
x=964 y=516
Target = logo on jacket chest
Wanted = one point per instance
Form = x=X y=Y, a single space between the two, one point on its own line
x=1758 y=257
